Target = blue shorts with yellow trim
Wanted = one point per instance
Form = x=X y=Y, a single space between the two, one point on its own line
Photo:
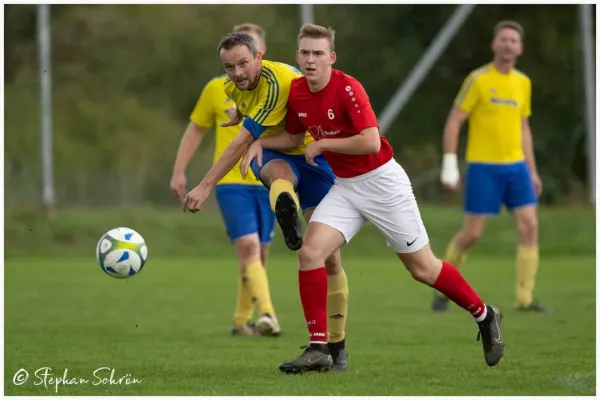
x=245 y=209
x=488 y=186
x=313 y=183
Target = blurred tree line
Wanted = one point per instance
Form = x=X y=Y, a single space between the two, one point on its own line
x=125 y=78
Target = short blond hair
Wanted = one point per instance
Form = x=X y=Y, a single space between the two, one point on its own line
x=317 y=32
x=514 y=25
x=249 y=27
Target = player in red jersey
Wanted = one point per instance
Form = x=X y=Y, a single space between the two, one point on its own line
x=370 y=186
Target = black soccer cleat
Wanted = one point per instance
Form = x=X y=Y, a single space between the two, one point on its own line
x=286 y=212
x=339 y=355
x=440 y=301
x=535 y=306
x=491 y=336
x=315 y=357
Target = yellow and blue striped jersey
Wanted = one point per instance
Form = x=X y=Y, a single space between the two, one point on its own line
x=496 y=103
x=265 y=106
x=213 y=108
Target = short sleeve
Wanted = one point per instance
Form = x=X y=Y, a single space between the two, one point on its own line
x=293 y=124
x=467 y=96
x=526 y=108
x=204 y=112
x=358 y=105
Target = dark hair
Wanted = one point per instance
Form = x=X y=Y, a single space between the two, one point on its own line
x=238 y=39
x=514 y=25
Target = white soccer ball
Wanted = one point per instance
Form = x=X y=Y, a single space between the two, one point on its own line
x=121 y=252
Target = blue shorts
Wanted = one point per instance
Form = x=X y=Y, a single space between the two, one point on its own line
x=313 y=182
x=245 y=210
x=488 y=186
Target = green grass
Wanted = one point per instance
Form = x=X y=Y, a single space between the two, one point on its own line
x=567 y=231
x=169 y=327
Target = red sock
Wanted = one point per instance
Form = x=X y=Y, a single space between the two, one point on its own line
x=313 y=293
x=452 y=284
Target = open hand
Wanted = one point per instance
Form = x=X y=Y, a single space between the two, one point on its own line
x=254 y=151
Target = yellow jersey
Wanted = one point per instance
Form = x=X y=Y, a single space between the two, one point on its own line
x=496 y=103
x=265 y=106
x=213 y=108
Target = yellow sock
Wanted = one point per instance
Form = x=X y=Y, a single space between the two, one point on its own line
x=337 y=306
x=280 y=186
x=527 y=266
x=258 y=286
x=245 y=306
x=454 y=255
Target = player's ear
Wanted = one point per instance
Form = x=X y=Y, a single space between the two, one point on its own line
x=258 y=56
x=333 y=57
x=297 y=58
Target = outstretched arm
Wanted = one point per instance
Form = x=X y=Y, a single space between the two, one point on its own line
x=229 y=158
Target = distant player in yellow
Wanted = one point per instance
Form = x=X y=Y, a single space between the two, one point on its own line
x=244 y=202
x=496 y=99
x=260 y=90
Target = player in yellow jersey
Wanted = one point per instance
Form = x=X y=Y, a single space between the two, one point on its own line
x=260 y=89
x=496 y=99
x=244 y=202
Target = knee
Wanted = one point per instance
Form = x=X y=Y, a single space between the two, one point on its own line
x=247 y=249
x=278 y=170
x=310 y=256
x=470 y=236
x=333 y=263
x=423 y=267
x=528 y=228
x=421 y=273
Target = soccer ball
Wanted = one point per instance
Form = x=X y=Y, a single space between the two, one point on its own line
x=121 y=252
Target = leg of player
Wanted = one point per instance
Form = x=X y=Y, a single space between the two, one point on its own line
x=483 y=194
x=442 y=276
x=245 y=248
x=337 y=306
x=320 y=241
x=237 y=206
x=456 y=252
x=522 y=200
x=400 y=222
x=281 y=179
x=527 y=257
x=266 y=324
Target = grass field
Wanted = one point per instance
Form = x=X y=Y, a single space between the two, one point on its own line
x=169 y=328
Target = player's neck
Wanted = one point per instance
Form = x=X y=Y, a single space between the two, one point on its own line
x=254 y=84
x=315 y=87
x=503 y=67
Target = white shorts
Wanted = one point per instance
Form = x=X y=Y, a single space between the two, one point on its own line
x=384 y=197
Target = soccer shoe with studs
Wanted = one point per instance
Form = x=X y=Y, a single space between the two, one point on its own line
x=339 y=355
x=315 y=357
x=491 y=336
x=266 y=325
x=247 y=329
x=286 y=212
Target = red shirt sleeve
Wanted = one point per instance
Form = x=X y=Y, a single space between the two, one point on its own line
x=358 y=105
x=292 y=121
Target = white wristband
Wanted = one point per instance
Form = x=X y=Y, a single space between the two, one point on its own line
x=450 y=174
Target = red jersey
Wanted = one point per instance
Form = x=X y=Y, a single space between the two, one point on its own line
x=340 y=110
